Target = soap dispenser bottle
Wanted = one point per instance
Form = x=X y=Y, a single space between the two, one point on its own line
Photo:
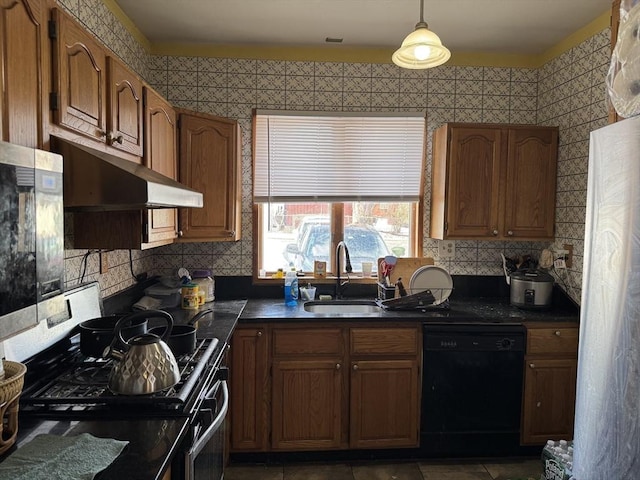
x=291 y=289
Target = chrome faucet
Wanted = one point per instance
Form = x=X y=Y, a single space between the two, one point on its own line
x=348 y=268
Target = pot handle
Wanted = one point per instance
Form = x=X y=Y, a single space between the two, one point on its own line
x=143 y=314
x=199 y=315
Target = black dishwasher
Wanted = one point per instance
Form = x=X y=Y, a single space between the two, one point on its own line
x=472 y=389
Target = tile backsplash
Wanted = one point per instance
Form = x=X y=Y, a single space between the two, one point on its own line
x=568 y=91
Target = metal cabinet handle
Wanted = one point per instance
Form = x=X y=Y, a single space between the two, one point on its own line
x=180 y=233
x=495 y=232
x=259 y=334
x=101 y=133
x=538 y=404
x=532 y=365
x=231 y=233
x=557 y=333
x=510 y=233
x=338 y=366
x=355 y=367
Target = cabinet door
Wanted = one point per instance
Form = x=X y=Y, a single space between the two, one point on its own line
x=384 y=404
x=23 y=71
x=79 y=66
x=529 y=207
x=160 y=155
x=210 y=163
x=249 y=389
x=473 y=184
x=125 y=108
x=548 y=400
x=307 y=404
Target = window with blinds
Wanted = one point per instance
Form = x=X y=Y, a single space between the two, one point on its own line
x=322 y=177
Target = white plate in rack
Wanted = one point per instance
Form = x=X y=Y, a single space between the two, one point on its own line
x=436 y=279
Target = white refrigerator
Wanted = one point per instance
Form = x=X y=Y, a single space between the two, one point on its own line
x=607 y=422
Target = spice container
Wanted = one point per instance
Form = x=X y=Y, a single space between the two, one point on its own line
x=206 y=284
x=190 y=300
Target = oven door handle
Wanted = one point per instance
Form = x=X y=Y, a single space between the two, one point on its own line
x=203 y=439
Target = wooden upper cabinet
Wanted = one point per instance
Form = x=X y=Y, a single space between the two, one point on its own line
x=529 y=206
x=210 y=153
x=493 y=182
x=79 y=65
x=125 y=108
x=24 y=71
x=160 y=156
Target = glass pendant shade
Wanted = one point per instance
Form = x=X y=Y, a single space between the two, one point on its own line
x=421 y=48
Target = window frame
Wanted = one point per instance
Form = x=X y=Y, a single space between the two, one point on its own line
x=416 y=229
x=416 y=237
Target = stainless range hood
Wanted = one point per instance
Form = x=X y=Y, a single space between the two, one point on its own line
x=98 y=181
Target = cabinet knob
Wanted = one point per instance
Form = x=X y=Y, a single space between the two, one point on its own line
x=231 y=233
x=557 y=333
x=115 y=139
x=355 y=367
x=494 y=233
x=338 y=366
x=532 y=365
x=538 y=404
x=510 y=233
x=259 y=334
x=180 y=233
x=101 y=133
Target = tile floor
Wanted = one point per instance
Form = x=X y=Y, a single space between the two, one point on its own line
x=492 y=469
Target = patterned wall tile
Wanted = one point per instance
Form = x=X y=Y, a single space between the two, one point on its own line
x=568 y=91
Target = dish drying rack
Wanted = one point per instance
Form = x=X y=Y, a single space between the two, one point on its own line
x=421 y=300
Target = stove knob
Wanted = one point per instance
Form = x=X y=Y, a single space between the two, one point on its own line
x=222 y=373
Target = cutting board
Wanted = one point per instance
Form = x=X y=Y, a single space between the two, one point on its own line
x=404 y=269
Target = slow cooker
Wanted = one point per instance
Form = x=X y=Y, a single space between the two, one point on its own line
x=531 y=289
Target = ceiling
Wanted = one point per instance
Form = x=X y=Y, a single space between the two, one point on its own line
x=525 y=27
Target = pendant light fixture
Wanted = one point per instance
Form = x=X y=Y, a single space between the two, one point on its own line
x=421 y=48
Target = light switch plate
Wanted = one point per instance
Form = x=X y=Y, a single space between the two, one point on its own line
x=447 y=249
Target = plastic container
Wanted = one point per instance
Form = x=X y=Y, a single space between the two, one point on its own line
x=206 y=284
x=168 y=296
x=291 y=289
x=308 y=292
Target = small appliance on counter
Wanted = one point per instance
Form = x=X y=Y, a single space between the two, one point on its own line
x=531 y=289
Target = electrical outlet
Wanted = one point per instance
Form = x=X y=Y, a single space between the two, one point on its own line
x=447 y=249
x=568 y=258
x=104 y=262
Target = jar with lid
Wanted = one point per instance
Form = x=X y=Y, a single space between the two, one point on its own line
x=205 y=282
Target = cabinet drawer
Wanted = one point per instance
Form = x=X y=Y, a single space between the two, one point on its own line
x=562 y=340
x=384 y=341
x=325 y=340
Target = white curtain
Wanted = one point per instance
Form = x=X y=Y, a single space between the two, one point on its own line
x=607 y=428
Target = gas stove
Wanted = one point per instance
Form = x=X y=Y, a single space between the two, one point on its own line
x=62 y=382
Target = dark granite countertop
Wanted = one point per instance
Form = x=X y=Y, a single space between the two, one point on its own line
x=462 y=310
x=153 y=441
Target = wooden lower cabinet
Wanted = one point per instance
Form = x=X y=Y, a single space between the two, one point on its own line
x=307 y=404
x=384 y=404
x=549 y=392
x=331 y=386
x=250 y=387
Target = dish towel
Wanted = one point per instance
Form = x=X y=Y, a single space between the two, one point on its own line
x=52 y=457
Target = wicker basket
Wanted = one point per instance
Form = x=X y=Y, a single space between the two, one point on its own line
x=10 y=390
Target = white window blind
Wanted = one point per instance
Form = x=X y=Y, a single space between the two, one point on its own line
x=338 y=157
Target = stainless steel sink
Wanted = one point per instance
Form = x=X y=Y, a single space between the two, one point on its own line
x=341 y=307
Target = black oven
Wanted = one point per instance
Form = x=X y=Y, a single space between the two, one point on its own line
x=203 y=454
